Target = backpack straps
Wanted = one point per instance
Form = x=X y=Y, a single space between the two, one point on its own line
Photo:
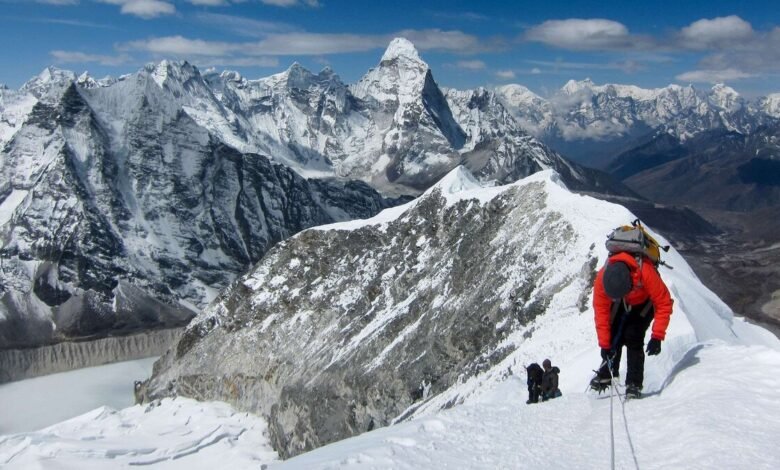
x=646 y=309
x=614 y=310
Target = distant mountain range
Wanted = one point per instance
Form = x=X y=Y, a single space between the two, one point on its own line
x=592 y=123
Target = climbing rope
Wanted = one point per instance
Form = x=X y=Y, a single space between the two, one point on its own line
x=622 y=400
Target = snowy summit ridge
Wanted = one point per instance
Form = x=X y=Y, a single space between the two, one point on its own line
x=423 y=307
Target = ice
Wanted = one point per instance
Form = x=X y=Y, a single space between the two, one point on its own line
x=43 y=401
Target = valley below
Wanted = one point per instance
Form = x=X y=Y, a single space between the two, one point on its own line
x=741 y=265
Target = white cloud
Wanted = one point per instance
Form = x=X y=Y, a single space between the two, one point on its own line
x=437 y=39
x=72 y=57
x=585 y=34
x=145 y=9
x=62 y=21
x=505 y=74
x=236 y=61
x=303 y=43
x=275 y=3
x=726 y=31
x=536 y=71
x=597 y=130
x=758 y=55
x=713 y=76
x=470 y=64
x=627 y=66
x=314 y=44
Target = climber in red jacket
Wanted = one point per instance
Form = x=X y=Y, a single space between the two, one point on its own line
x=627 y=296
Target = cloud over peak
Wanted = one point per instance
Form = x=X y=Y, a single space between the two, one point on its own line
x=716 y=33
x=713 y=76
x=585 y=34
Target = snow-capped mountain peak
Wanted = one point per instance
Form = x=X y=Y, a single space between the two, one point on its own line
x=400 y=75
x=50 y=80
x=458 y=180
x=177 y=71
x=725 y=97
x=518 y=95
x=85 y=80
x=573 y=86
x=401 y=48
x=771 y=104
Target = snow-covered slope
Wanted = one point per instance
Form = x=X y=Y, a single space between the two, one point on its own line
x=421 y=308
x=710 y=396
x=174 y=434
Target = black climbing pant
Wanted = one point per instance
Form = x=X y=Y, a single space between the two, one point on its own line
x=635 y=322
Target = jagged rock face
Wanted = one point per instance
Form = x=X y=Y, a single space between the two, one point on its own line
x=296 y=115
x=342 y=329
x=593 y=123
x=118 y=225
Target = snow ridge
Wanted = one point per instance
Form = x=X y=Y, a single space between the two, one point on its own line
x=362 y=322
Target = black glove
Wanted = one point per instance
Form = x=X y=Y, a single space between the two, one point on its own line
x=607 y=354
x=653 y=347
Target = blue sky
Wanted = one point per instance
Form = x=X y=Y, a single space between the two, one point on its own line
x=540 y=44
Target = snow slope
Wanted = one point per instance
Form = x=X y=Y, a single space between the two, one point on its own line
x=710 y=395
x=701 y=417
x=174 y=434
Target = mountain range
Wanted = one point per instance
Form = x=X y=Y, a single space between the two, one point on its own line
x=128 y=203
x=592 y=123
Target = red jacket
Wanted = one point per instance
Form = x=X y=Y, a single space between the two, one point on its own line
x=651 y=287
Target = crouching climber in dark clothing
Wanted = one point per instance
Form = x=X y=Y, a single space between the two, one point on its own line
x=550 y=388
x=534 y=382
